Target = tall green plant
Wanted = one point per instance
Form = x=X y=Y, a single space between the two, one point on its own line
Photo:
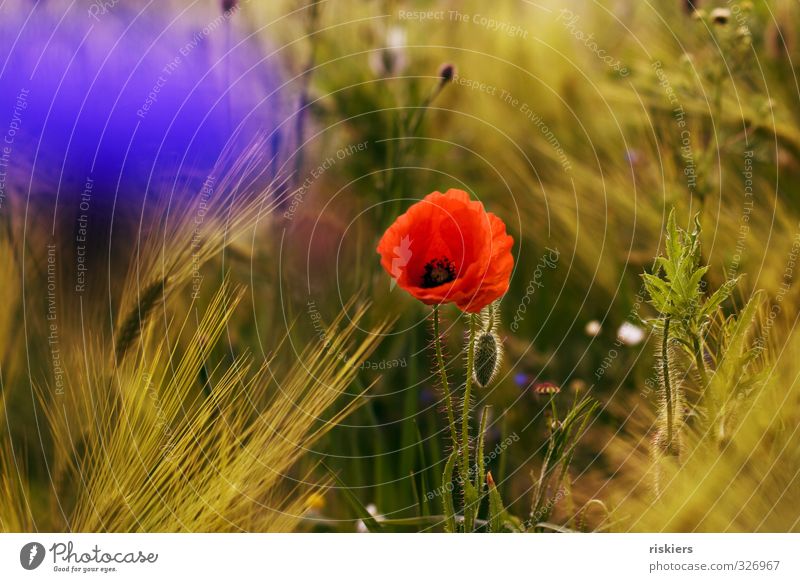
x=677 y=291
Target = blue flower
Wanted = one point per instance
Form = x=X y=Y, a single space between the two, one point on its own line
x=141 y=106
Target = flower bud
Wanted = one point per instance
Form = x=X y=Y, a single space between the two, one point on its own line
x=446 y=73
x=487 y=358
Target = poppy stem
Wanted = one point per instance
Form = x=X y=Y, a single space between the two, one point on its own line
x=467 y=390
x=437 y=342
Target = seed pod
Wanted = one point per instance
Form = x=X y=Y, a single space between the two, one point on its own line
x=487 y=358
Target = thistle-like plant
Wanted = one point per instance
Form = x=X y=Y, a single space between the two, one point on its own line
x=676 y=291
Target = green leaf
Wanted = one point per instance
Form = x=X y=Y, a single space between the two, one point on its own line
x=719 y=296
x=471 y=502
x=480 y=475
x=732 y=368
x=497 y=512
x=447 y=493
x=696 y=278
x=659 y=292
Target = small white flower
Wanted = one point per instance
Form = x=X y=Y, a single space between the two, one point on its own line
x=396 y=37
x=361 y=527
x=392 y=58
x=720 y=15
x=593 y=328
x=630 y=334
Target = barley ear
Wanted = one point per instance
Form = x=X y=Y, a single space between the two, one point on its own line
x=137 y=318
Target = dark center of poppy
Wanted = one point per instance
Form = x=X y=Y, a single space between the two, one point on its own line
x=438 y=272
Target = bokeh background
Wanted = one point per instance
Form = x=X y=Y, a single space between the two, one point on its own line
x=229 y=353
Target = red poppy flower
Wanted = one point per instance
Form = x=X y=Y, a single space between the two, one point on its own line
x=448 y=249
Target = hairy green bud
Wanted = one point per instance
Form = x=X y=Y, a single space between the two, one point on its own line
x=487 y=358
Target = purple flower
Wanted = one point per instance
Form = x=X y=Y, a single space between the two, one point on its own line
x=117 y=111
x=427 y=396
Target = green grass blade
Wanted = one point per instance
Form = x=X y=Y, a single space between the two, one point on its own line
x=358 y=508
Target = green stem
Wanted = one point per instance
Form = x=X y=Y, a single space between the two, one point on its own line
x=491 y=318
x=437 y=342
x=667 y=381
x=467 y=390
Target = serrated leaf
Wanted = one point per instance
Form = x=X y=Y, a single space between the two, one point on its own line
x=719 y=296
